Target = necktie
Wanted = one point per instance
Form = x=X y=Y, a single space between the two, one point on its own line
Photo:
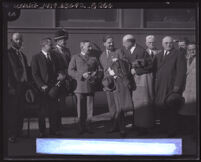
x=19 y=56
x=23 y=74
x=152 y=54
x=165 y=55
x=190 y=60
x=48 y=57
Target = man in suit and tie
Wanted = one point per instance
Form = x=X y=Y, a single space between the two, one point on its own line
x=141 y=69
x=17 y=83
x=106 y=59
x=170 y=77
x=151 y=45
x=63 y=56
x=85 y=69
x=152 y=51
x=45 y=76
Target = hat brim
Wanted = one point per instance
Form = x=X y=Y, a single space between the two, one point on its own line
x=61 y=37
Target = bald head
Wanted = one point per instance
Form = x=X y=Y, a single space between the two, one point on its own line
x=167 y=43
x=128 y=41
x=150 y=42
x=16 y=40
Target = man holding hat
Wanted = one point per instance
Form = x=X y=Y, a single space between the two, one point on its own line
x=18 y=78
x=107 y=59
x=170 y=76
x=63 y=56
x=141 y=63
x=45 y=76
x=85 y=69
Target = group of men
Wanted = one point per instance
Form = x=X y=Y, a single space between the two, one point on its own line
x=149 y=82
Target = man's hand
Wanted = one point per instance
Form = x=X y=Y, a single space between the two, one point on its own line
x=61 y=77
x=133 y=72
x=111 y=72
x=114 y=59
x=44 y=88
x=86 y=75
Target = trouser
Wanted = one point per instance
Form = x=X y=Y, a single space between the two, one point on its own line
x=111 y=103
x=16 y=106
x=85 y=104
x=62 y=103
x=48 y=108
x=119 y=118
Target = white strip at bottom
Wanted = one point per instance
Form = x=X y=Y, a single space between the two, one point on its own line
x=145 y=147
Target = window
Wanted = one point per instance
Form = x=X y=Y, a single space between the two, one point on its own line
x=169 y=18
x=87 y=18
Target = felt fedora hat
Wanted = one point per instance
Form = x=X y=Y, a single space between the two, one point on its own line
x=108 y=84
x=174 y=99
x=61 y=34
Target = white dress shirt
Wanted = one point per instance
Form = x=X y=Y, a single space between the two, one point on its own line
x=132 y=49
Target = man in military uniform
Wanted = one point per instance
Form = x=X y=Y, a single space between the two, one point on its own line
x=85 y=68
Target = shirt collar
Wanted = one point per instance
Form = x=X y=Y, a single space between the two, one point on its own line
x=18 y=50
x=82 y=53
x=132 y=48
x=45 y=53
x=167 y=52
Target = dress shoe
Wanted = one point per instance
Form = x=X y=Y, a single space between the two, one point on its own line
x=12 y=139
x=123 y=134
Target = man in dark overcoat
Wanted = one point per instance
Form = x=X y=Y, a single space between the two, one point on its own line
x=45 y=75
x=170 y=75
x=18 y=78
x=141 y=64
x=63 y=56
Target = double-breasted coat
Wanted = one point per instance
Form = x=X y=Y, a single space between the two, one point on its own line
x=170 y=73
x=80 y=64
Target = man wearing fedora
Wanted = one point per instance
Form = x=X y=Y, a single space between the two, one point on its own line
x=63 y=56
x=85 y=69
x=45 y=76
x=170 y=75
x=18 y=78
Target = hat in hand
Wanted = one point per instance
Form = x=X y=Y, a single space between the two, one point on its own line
x=29 y=96
x=174 y=99
x=108 y=84
x=61 y=34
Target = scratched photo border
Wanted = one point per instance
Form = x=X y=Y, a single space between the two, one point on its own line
x=92 y=5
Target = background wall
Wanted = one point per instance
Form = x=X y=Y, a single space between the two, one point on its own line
x=37 y=24
x=32 y=37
